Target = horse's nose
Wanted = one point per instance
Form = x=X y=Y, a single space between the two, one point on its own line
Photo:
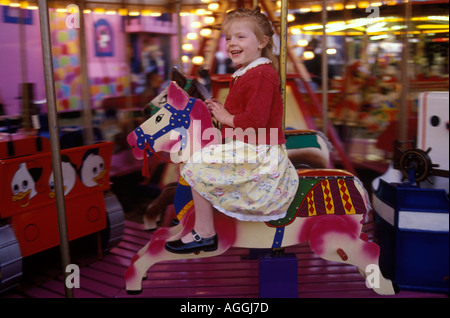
x=132 y=141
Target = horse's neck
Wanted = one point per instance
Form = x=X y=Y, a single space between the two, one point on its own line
x=209 y=135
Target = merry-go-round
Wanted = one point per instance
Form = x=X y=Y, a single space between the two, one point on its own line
x=87 y=209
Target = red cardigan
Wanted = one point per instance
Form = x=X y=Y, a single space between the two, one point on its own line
x=256 y=102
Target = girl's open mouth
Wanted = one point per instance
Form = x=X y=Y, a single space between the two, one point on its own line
x=235 y=53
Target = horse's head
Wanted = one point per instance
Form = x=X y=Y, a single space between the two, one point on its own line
x=193 y=87
x=177 y=126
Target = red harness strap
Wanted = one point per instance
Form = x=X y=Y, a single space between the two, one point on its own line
x=145 y=171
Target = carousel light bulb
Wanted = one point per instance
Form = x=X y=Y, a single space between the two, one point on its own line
x=191 y=36
x=308 y=55
x=187 y=47
x=363 y=4
x=338 y=6
x=302 y=42
x=209 y=20
x=200 y=12
x=213 y=6
x=205 y=32
x=331 y=51
x=99 y=10
x=316 y=8
x=197 y=60
x=122 y=11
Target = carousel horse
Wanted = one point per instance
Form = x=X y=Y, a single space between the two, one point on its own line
x=199 y=88
x=328 y=210
x=305 y=148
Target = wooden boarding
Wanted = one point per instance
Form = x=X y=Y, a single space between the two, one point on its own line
x=231 y=275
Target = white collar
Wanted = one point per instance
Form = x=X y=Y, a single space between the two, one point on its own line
x=255 y=63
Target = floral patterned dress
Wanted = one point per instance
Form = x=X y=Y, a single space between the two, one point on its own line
x=245 y=181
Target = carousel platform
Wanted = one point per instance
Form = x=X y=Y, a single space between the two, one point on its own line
x=230 y=275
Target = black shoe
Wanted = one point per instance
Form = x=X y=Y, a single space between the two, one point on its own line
x=199 y=244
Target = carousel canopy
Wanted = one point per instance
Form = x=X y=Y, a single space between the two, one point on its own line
x=344 y=17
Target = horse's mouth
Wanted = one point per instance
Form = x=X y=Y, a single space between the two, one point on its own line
x=132 y=141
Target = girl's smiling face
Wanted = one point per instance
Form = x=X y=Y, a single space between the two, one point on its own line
x=242 y=45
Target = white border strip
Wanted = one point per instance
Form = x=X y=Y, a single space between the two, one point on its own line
x=384 y=210
x=427 y=221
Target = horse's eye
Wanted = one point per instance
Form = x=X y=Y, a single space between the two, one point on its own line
x=159 y=118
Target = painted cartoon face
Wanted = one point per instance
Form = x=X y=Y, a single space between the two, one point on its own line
x=93 y=172
x=23 y=186
x=69 y=177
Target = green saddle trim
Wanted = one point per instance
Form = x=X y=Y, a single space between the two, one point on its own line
x=302 y=141
x=304 y=186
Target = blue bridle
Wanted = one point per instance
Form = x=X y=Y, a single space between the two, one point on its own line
x=179 y=121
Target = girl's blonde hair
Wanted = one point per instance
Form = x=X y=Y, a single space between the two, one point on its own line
x=261 y=27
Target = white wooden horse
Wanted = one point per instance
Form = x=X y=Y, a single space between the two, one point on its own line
x=305 y=148
x=328 y=210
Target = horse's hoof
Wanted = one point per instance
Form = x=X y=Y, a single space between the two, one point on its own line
x=133 y=292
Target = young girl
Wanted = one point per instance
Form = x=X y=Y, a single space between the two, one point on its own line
x=239 y=178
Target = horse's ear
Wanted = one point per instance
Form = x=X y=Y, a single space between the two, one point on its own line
x=176 y=96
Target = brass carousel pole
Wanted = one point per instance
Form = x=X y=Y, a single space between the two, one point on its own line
x=324 y=69
x=403 y=112
x=54 y=139
x=179 y=35
x=283 y=54
x=88 y=135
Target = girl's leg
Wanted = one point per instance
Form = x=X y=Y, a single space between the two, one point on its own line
x=204 y=218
